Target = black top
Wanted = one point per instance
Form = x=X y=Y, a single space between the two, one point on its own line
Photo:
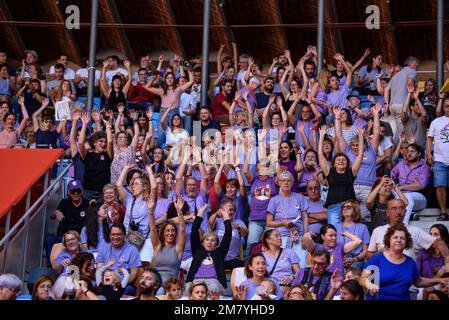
x=212 y=125
x=46 y=139
x=73 y=216
x=97 y=171
x=115 y=98
x=218 y=255
x=341 y=186
x=378 y=214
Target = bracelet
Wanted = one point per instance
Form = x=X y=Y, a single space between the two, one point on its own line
x=85 y=292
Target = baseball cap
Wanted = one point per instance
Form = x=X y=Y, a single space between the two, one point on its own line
x=74 y=184
x=353 y=94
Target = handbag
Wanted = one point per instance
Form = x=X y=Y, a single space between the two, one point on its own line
x=135 y=237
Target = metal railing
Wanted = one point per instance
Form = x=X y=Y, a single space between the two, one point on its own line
x=38 y=209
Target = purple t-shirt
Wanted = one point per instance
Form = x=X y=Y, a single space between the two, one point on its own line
x=315 y=207
x=367 y=172
x=338 y=97
x=161 y=208
x=206 y=270
x=428 y=265
x=127 y=256
x=239 y=203
x=290 y=208
x=253 y=286
x=236 y=242
x=261 y=193
x=61 y=257
x=358 y=229
x=306 y=176
x=307 y=130
x=284 y=265
x=337 y=254
x=322 y=96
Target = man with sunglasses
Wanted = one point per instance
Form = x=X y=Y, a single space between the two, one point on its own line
x=70 y=213
x=316 y=277
x=396 y=210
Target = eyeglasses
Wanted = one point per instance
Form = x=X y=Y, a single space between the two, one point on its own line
x=138 y=184
x=319 y=264
x=313 y=188
x=397 y=209
x=347 y=207
x=76 y=191
x=70 y=240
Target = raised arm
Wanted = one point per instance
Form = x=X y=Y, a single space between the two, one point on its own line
x=180 y=244
x=187 y=85
x=291 y=112
x=321 y=158
x=338 y=131
x=348 y=69
x=109 y=138
x=104 y=86
x=135 y=140
x=219 y=53
x=231 y=113
x=266 y=111
x=151 y=205
x=376 y=128
x=73 y=130
x=247 y=173
x=121 y=181
x=236 y=55
x=217 y=186
x=358 y=161
x=360 y=61
x=127 y=64
x=439 y=110
x=163 y=120
x=24 y=121
x=85 y=120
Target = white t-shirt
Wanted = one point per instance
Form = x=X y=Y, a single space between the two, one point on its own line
x=439 y=130
x=185 y=102
x=241 y=77
x=384 y=144
x=69 y=74
x=172 y=139
x=84 y=73
x=111 y=73
x=421 y=240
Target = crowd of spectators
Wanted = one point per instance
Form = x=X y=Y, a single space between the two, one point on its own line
x=293 y=183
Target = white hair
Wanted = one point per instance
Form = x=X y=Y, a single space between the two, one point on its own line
x=10 y=281
x=286 y=174
x=256 y=81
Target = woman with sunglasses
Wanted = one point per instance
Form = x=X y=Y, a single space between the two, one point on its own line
x=137 y=214
x=350 y=214
x=328 y=241
x=71 y=243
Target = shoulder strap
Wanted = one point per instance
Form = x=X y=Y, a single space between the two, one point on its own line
x=132 y=208
x=276 y=262
x=305 y=275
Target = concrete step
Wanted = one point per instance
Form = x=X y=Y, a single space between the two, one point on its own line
x=426 y=223
x=429 y=212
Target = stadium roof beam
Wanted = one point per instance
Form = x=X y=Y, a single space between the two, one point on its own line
x=175 y=30
x=228 y=31
x=17 y=46
x=331 y=8
x=124 y=41
x=385 y=11
x=279 y=15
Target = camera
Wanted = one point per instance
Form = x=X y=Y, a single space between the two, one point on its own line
x=134 y=226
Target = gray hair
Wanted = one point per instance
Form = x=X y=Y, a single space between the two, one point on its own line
x=65 y=285
x=410 y=60
x=286 y=174
x=10 y=281
x=256 y=81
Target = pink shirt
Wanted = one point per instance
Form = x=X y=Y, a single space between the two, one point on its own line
x=8 y=138
x=171 y=98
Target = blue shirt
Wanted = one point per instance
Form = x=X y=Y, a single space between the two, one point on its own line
x=127 y=256
x=395 y=279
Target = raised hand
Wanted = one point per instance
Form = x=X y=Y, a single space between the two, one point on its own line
x=410 y=88
x=75 y=117
x=245 y=95
x=287 y=54
x=222 y=46
x=179 y=204
x=367 y=52
x=202 y=210
x=323 y=130
x=85 y=117
x=336 y=280
x=161 y=58
x=106 y=64
x=300 y=126
x=411 y=139
x=121 y=108
x=96 y=115
x=361 y=131
x=240 y=292
x=149 y=113
x=337 y=112
x=250 y=61
x=22 y=100
x=442 y=95
x=279 y=101
x=149 y=168
x=338 y=57
x=127 y=64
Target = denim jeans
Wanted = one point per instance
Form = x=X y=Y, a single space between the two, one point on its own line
x=334 y=214
x=255 y=230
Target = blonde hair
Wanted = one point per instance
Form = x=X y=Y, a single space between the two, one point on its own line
x=323 y=79
x=76 y=235
x=355 y=205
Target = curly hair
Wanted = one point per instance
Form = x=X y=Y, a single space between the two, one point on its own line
x=398 y=227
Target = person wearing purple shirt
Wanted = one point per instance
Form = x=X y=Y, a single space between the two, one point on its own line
x=413 y=176
x=256 y=272
x=304 y=125
x=287 y=210
x=288 y=162
x=263 y=188
x=366 y=175
x=328 y=241
x=319 y=92
x=317 y=213
x=310 y=169
x=350 y=212
x=337 y=95
x=195 y=197
x=239 y=230
x=430 y=261
x=119 y=250
x=233 y=186
x=287 y=264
